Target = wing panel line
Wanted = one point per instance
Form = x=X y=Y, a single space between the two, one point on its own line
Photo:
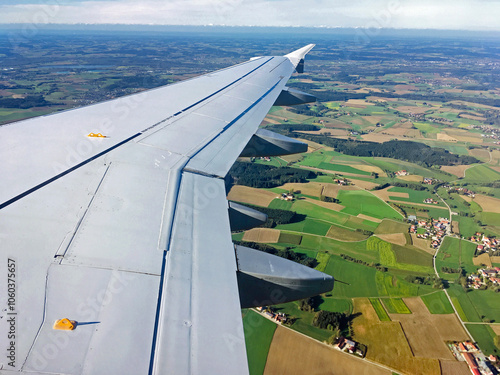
x=39 y=186
x=62 y=174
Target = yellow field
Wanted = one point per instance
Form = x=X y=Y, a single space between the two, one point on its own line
x=293 y=353
x=387 y=343
x=488 y=204
x=446 y=137
x=455 y=227
x=329 y=205
x=250 y=195
x=495 y=328
x=396 y=238
x=379 y=137
x=463 y=135
x=457 y=170
x=292 y=158
x=454 y=368
x=495 y=259
x=310 y=188
x=368 y=168
x=263 y=235
x=367 y=185
x=480 y=153
x=412 y=178
x=313 y=146
x=482 y=259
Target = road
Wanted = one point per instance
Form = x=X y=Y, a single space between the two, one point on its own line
x=437 y=273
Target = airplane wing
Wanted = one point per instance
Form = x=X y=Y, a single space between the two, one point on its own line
x=114 y=216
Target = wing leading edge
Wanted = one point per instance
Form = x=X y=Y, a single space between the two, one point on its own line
x=129 y=235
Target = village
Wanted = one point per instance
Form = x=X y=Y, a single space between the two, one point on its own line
x=485 y=244
x=435 y=229
x=478 y=363
x=484 y=278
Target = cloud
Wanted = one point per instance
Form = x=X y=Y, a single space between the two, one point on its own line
x=442 y=14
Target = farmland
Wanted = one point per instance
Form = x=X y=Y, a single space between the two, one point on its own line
x=259 y=333
x=357 y=230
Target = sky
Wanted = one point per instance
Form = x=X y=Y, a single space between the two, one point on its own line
x=411 y=14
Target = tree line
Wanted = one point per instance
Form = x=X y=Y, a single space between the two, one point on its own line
x=414 y=152
x=266 y=176
x=24 y=103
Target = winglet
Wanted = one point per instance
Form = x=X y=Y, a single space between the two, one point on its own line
x=297 y=57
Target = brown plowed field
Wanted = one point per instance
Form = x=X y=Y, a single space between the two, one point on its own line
x=422 y=244
x=250 y=195
x=426 y=332
x=457 y=170
x=482 y=259
x=488 y=204
x=396 y=238
x=454 y=368
x=387 y=343
x=292 y=353
x=264 y=235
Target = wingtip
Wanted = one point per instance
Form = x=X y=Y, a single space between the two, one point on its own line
x=297 y=57
x=301 y=52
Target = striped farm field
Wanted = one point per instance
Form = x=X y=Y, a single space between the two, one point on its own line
x=379 y=309
x=395 y=306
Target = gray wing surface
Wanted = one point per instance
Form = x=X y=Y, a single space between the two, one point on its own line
x=128 y=234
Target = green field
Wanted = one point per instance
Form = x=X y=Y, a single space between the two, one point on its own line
x=486 y=303
x=322 y=259
x=481 y=173
x=345 y=234
x=467 y=226
x=393 y=286
x=414 y=195
x=336 y=305
x=280 y=204
x=362 y=202
x=412 y=255
x=395 y=306
x=455 y=253
x=490 y=218
x=290 y=238
x=259 y=332
x=437 y=303
x=342 y=168
x=463 y=304
x=379 y=309
x=484 y=336
x=309 y=225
